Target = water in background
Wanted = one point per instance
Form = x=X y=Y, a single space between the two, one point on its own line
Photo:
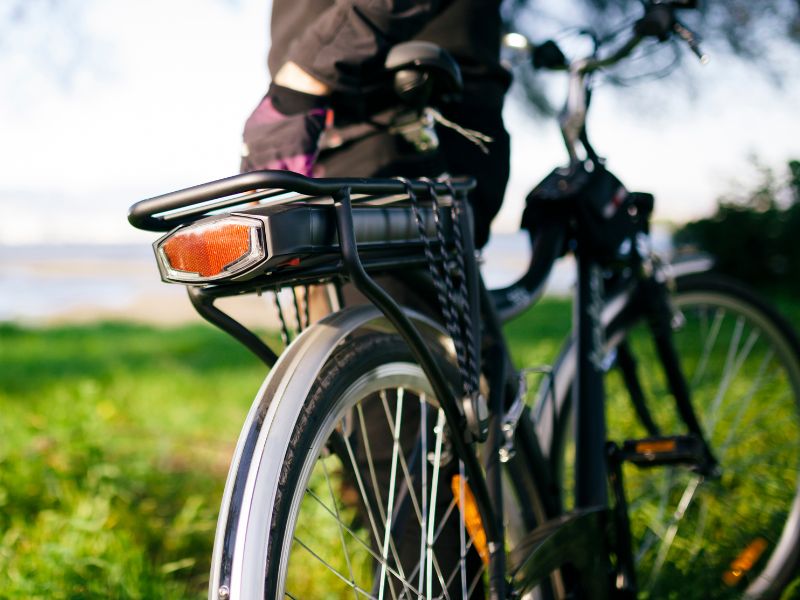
x=43 y=283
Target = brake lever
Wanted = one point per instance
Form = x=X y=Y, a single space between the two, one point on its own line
x=688 y=36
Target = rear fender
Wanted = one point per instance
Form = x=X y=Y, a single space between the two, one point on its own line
x=240 y=550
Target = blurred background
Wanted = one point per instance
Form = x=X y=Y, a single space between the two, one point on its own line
x=106 y=103
x=120 y=407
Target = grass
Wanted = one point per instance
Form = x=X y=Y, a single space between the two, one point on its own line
x=114 y=445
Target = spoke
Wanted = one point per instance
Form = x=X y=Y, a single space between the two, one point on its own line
x=732 y=365
x=652 y=535
x=766 y=416
x=710 y=341
x=339 y=523
x=423 y=540
x=462 y=568
x=370 y=464
x=364 y=495
x=462 y=531
x=761 y=378
x=437 y=533
x=409 y=481
x=744 y=405
x=442 y=583
x=361 y=489
x=443 y=522
x=366 y=546
x=421 y=512
x=437 y=456
x=378 y=497
x=475 y=580
x=387 y=531
x=683 y=505
x=357 y=589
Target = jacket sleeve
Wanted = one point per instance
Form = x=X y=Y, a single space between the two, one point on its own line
x=347 y=44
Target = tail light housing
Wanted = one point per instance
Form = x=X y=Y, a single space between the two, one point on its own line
x=211 y=250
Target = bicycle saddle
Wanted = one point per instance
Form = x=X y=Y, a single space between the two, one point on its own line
x=423 y=70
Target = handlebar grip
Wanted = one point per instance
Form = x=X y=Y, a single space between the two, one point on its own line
x=658 y=22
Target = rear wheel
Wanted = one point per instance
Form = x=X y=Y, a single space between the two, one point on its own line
x=367 y=505
x=735 y=535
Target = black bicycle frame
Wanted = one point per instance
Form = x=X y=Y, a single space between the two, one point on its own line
x=639 y=296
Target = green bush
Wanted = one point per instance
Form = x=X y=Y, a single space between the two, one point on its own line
x=754 y=235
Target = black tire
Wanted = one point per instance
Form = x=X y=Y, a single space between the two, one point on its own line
x=735 y=535
x=356 y=457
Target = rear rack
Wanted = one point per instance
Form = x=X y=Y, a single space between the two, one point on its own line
x=274 y=188
x=316 y=219
x=393 y=246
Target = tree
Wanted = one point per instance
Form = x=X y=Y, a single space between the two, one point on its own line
x=753 y=234
x=758 y=32
x=746 y=28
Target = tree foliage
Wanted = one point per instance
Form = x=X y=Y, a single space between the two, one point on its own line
x=753 y=234
x=765 y=34
x=748 y=29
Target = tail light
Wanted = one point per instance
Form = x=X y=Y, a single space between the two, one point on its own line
x=211 y=250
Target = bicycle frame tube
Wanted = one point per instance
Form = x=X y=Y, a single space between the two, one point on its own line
x=589 y=398
x=656 y=303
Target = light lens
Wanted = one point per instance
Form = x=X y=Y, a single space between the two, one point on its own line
x=471 y=515
x=211 y=250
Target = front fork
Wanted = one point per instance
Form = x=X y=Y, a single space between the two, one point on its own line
x=661 y=320
x=654 y=301
x=595 y=469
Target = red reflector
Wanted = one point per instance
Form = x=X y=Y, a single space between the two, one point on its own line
x=207 y=249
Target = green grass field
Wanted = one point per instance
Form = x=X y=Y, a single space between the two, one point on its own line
x=114 y=446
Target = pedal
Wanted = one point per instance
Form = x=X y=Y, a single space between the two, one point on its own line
x=663 y=450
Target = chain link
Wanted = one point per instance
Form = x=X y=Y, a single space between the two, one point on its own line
x=452 y=299
x=456 y=211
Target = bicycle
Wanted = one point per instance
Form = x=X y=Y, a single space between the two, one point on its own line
x=320 y=503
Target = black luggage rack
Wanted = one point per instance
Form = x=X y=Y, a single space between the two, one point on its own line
x=276 y=188
x=303 y=221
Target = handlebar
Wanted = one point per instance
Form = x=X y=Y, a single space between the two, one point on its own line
x=658 y=21
x=164 y=212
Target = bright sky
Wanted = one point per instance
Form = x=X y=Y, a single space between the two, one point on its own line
x=167 y=86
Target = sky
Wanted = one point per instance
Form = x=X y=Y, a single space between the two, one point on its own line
x=155 y=96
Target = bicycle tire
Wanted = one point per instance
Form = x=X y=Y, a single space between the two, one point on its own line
x=326 y=543
x=735 y=535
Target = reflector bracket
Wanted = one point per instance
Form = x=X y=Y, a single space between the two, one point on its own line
x=212 y=250
x=656 y=446
x=472 y=517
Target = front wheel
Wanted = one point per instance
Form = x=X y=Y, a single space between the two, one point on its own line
x=737 y=534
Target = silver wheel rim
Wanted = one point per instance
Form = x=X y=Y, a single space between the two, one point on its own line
x=391 y=581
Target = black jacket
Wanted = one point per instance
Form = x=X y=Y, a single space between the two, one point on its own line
x=343 y=43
